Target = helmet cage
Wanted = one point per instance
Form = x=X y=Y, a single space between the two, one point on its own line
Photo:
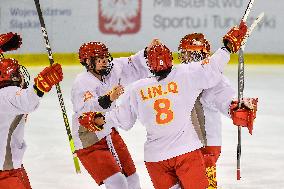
x=25 y=76
x=13 y=74
x=191 y=56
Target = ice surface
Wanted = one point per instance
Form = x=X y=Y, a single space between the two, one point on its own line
x=49 y=163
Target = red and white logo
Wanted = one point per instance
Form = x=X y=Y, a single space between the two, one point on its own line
x=120 y=16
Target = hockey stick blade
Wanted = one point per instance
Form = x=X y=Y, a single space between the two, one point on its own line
x=248 y=9
x=251 y=28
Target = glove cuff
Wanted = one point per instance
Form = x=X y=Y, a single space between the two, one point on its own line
x=38 y=91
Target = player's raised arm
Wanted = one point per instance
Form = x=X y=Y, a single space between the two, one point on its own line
x=232 y=43
x=16 y=96
x=135 y=67
x=210 y=69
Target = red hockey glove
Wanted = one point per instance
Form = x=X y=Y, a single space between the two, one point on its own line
x=48 y=77
x=245 y=115
x=233 y=39
x=93 y=121
x=9 y=41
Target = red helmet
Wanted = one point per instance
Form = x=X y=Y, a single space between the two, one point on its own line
x=9 y=72
x=159 y=58
x=92 y=49
x=9 y=41
x=196 y=44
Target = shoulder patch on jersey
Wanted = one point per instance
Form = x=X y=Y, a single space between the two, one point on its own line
x=205 y=61
x=19 y=92
x=87 y=96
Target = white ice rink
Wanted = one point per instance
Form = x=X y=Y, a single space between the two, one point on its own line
x=49 y=163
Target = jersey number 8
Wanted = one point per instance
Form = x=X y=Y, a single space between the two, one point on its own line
x=164 y=113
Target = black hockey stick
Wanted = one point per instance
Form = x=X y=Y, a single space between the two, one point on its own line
x=59 y=93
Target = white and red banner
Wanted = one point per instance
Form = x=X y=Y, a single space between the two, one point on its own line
x=129 y=25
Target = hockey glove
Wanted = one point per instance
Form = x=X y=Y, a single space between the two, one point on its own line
x=48 y=77
x=9 y=41
x=233 y=39
x=245 y=115
x=93 y=121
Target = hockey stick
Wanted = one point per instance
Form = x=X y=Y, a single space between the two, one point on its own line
x=240 y=96
x=248 y=9
x=59 y=93
x=113 y=151
x=240 y=91
x=254 y=24
x=111 y=146
x=241 y=85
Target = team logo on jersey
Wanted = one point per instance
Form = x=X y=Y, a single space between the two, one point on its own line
x=119 y=16
x=88 y=95
x=19 y=92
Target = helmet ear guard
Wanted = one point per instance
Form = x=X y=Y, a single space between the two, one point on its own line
x=193 y=47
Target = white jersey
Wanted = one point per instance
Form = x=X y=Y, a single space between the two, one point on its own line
x=163 y=107
x=87 y=89
x=15 y=104
x=215 y=100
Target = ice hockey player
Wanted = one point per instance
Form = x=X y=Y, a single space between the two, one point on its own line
x=161 y=103
x=210 y=104
x=108 y=160
x=17 y=100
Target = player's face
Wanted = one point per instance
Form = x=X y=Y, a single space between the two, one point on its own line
x=191 y=56
x=101 y=63
x=22 y=85
x=18 y=78
x=185 y=57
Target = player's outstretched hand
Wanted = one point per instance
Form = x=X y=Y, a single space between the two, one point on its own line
x=93 y=121
x=245 y=115
x=48 y=77
x=233 y=39
x=116 y=92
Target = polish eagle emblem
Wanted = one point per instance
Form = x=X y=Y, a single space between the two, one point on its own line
x=119 y=16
